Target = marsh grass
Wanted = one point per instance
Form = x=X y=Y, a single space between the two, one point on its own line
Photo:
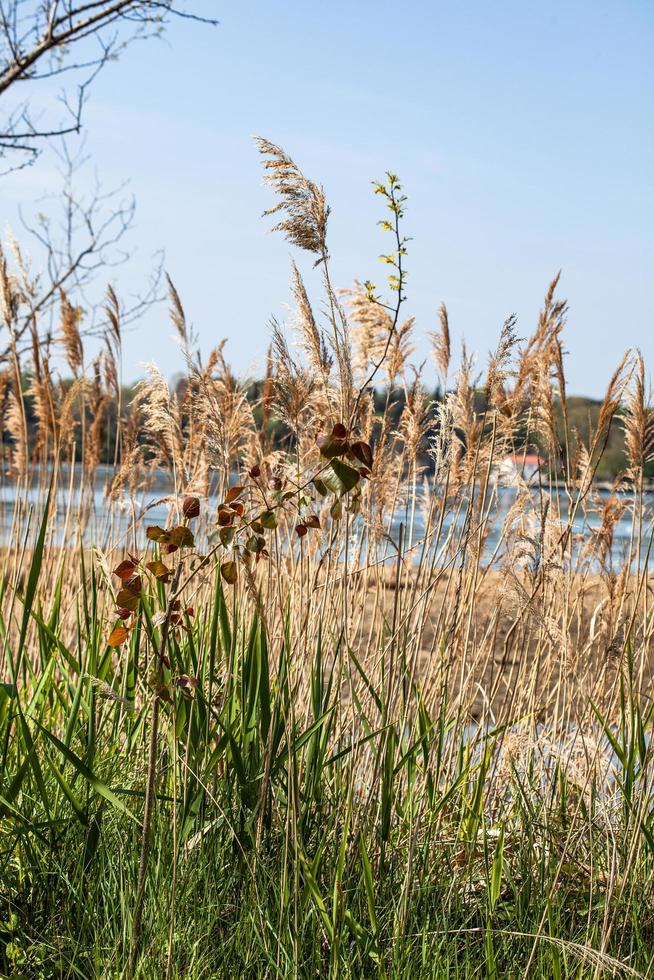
x=321 y=737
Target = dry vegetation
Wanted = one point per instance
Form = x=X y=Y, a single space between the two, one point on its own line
x=335 y=718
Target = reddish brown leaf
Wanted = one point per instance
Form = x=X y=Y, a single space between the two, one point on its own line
x=330 y=447
x=125 y=570
x=335 y=444
x=187 y=685
x=362 y=452
x=301 y=530
x=126 y=599
x=118 y=636
x=233 y=493
x=225 y=516
x=134 y=584
x=159 y=570
x=255 y=472
x=312 y=521
x=155 y=533
x=191 y=507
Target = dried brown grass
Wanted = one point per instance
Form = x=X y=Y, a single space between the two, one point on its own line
x=426 y=575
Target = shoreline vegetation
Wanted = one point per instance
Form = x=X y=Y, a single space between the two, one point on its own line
x=337 y=715
x=161 y=480
x=582 y=415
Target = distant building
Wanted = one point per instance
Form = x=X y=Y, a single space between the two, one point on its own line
x=525 y=465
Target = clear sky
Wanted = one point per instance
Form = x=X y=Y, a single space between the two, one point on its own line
x=523 y=133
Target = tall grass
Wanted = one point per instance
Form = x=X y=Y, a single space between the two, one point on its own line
x=355 y=710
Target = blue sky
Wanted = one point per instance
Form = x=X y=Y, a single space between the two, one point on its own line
x=523 y=133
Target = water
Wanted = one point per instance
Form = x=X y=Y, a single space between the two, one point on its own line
x=524 y=543
x=124 y=524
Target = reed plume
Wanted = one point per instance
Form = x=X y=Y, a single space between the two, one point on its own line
x=69 y=320
x=303 y=205
x=441 y=345
x=638 y=422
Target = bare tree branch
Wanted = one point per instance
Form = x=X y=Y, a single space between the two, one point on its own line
x=77 y=237
x=43 y=39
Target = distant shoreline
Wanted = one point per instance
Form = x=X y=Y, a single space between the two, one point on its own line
x=162 y=482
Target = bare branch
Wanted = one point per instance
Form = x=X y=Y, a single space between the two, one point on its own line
x=77 y=238
x=44 y=39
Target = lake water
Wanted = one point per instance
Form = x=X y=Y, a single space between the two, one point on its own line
x=124 y=525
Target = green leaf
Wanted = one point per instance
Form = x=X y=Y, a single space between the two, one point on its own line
x=32 y=581
x=346 y=475
x=369 y=887
x=181 y=536
x=67 y=790
x=226 y=535
x=89 y=776
x=228 y=572
x=496 y=871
